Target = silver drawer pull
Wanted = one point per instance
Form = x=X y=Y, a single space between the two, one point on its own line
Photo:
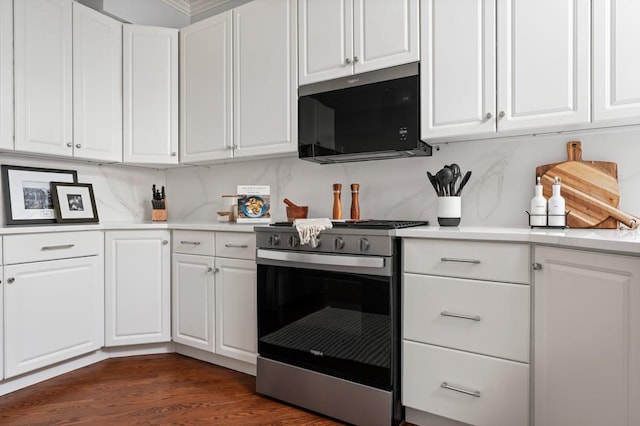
x=195 y=243
x=463 y=316
x=60 y=247
x=453 y=259
x=236 y=245
x=474 y=393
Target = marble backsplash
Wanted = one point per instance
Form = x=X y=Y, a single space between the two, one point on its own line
x=122 y=193
x=497 y=194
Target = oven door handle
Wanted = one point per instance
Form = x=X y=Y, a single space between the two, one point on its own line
x=322 y=259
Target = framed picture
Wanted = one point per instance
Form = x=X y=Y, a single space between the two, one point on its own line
x=74 y=202
x=27 y=193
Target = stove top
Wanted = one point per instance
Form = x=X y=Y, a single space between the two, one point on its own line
x=369 y=224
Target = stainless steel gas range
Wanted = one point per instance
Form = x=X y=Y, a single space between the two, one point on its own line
x=329 y=320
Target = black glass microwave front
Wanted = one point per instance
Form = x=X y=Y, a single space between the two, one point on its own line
x=365 y=119
x=336 y=323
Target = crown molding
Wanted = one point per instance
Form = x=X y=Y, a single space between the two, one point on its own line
x=193 y=7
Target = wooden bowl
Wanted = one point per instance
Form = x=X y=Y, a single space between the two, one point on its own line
x=298 y=212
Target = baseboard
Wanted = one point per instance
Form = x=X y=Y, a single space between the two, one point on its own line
x=223 y=361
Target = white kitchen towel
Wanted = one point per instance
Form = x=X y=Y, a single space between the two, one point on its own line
x=309 y=229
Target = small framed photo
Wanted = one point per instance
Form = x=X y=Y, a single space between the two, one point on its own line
x=74 y=202
x=27 y=193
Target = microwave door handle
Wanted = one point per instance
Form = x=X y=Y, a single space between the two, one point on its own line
x=322 y=259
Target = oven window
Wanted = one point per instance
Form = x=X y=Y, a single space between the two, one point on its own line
x=335 y=323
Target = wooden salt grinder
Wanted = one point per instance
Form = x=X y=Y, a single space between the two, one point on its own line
x=337 y=204
x=355 y=203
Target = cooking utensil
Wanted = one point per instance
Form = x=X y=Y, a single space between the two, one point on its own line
x=444 y=176
x=434 y=182
x=455 y=169
x=465 y=179
x=289 y=203
x=591 y=181
x=297 y=212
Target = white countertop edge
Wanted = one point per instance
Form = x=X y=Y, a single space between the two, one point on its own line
x=623 y=241
x=112 y=226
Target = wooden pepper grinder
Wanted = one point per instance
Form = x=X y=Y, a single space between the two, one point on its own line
x=355 y=203
x=337 y=204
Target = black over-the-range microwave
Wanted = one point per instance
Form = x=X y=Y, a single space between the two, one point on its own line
x=369 y=116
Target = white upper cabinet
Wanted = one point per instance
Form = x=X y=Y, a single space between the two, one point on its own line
x=458 y=68
x=150 y=88
x=264 y=78
x=616 y=62
x=43 y=62
x=543 y=75
x=487 y=67
x=6 y=74
x=338 y=38
x=206 y=119
x=97 y=85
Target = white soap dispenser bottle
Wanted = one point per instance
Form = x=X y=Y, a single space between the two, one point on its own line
x=556 y=206
x=538 y=212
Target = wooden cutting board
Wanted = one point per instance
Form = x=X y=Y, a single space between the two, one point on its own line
x=584 y=185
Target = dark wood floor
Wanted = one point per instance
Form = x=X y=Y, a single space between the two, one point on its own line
x=150 y=390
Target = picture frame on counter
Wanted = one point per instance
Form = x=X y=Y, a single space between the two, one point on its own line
x=27 y=193
x=74 y=202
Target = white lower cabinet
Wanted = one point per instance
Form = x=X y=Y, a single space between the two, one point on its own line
x=137 y=287
x=236 y=320
x=214 y=293
x=465 y=331
x=53 y=307
x=587 y=338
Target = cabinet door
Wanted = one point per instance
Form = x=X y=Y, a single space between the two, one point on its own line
x=616 y=63
x=42 y=54
x=53 y=312
x=193 y=301
x=586 y=339
x=205 y=90
x=458 y=70
x=386 y=33
x=97 y=85
x=264 y=81
x=150 y=87
x=1 y=319
x=543 y=76
x=325 y=39
x=137 y=287
x=6 y=74
x=236 y=320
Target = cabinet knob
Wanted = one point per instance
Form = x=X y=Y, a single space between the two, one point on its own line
x=501 y=114
x=537 y=266
x=209 y=269
x=355 y=59
x=347 y=61
x=489 y=116
x=10 y=280
x=173 y=154
x=78 y=145
x=69 y=144
x=165 y=242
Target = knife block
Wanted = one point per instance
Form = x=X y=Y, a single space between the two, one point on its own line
x=159 y=215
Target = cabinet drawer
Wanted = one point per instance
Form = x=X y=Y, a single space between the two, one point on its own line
x=50 y=246
x=194 y=242
x=237 y=245
x=468 y=259
x=503 y=386
x=477 y=316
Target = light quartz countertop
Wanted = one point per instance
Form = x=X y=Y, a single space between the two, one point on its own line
x=624 y=241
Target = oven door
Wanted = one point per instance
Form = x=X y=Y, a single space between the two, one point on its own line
x=329 y=316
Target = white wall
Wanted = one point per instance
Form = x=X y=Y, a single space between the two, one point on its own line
x=497 y=194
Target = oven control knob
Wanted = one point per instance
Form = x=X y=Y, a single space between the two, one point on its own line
x=364 y=244
x=273 y=240
x=338 y=243
x=294 y=241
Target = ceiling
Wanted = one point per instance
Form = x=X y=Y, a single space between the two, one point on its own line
x=193 y=7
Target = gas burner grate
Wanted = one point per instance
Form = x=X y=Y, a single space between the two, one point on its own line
x=369 y=224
